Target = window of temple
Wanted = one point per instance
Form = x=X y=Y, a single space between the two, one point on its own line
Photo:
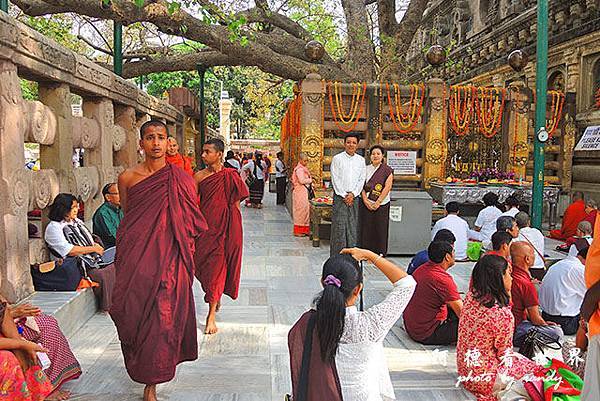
x=556 y=81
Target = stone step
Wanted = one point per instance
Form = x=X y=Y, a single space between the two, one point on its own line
x=72 y=309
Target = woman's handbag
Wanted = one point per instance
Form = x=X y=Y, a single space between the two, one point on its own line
x=65 y=276
x=251 y=179
x=305 y=367
x=536 y=342
x=311 y=191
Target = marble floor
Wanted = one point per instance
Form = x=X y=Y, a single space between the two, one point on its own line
x=248 y=359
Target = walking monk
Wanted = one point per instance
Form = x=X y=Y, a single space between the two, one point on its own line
x=153 y=304
x=219 y=250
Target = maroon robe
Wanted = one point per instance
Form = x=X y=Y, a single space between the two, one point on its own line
x=153 y=304
x=218 y=255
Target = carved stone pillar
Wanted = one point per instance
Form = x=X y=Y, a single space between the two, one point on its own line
x=567 y=142
x=436 y=148
x=101 y=155
x=518 y=126
x=225 y=106
x=311 y=125
x=15 y=278
x=126 y=156
x=59 y=156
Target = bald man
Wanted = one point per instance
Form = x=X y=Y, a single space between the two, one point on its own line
x=174 y=157
x=525 y=302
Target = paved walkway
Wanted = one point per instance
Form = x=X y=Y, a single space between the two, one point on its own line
x=248 y=359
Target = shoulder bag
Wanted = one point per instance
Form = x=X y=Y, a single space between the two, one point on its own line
x=537 y=342
x=305 y=367
x=251 y=179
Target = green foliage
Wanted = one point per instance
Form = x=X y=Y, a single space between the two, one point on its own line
x=29 y=90
x=59 y=28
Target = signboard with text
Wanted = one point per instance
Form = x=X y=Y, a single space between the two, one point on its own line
x=590 y=139
x=402 y=162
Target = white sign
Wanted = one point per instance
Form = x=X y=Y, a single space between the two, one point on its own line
x=402 y=162
x=396 y=214
x=590 y=139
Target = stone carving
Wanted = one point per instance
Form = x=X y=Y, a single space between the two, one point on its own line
x=119 y=137
x=86 y=133
x=107 y=174
x=8 y=31
x=124 y=88
x=436 y=151
x=44 y=188
x=312 y=145
x=18 y=191
x=41 y=127
x=46 y=50
x=9 y=86
x=444 y=194
x=92 y=73
x=84 y=182
x=38 y=251
x=520 y=154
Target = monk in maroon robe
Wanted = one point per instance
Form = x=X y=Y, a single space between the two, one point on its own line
x=153 y=304
x=218 y=255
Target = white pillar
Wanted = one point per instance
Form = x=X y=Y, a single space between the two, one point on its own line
x=225 y=121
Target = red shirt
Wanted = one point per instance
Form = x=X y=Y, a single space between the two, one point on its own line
x=524 y=294
x=428 y=306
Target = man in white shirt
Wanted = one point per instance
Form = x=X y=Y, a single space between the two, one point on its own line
x=458 y=226
x=512 y=206
x=280 y=178
x=562 y=291
x=533 y=236
x=584 y=232
x=485 y=225
x=348 y=173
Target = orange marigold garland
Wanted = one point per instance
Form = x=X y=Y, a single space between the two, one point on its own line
x=405 y=122
x=556 y=107
x=490 y=106
x=348 y=120
x=462 y=104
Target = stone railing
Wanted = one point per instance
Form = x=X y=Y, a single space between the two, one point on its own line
x=113 y=109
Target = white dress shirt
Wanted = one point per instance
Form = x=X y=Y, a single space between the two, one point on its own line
x=279 y=169
x=563 y=288
x=370 y=170
x=573 y=249
x=360 y=361
x=536 y=238
x=348 y=174
x=486 y=220
x=460 y=229
x=512 y=212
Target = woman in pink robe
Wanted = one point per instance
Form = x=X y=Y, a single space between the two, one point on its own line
x=301 y=208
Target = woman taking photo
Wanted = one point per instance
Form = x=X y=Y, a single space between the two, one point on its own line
x=301 y=180
x=375 y=208
x=346 y=355
x=67 y=236
x=486 y=329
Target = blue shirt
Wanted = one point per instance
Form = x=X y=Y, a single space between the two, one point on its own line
x=419 y=259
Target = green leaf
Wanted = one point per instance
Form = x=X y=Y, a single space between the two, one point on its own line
x=139 y=3
x=173 y=7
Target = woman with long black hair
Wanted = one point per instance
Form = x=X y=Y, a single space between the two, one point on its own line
x=346 y=359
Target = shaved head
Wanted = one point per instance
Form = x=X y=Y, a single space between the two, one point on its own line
x=522 y=254
x=577 y=195
x=172 y=146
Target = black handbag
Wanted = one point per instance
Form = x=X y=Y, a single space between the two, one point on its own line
x=65 y=276
x=311 y=192
x=537 y=341
x=306 y=354
x=252 y=179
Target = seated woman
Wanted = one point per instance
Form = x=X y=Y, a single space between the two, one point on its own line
x=485 y=332
x=44 y=330
x=346 y=356
x=21 y=378
x=64 y=231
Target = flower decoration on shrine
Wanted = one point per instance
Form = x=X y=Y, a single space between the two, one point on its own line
x=462 y=104
x=597 y=96
x=347 y=121
x=490 y=105
x=556 y=107
x=290 y=128
x=404 y=123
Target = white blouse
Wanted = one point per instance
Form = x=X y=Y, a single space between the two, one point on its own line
x=360 y=361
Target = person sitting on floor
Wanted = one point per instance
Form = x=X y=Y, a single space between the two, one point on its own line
x=591 y=210
x=422 y=257
x=532 y=236
x=44 y=330
x=66 y=235
x=562 y=291
x=501 y=245
x=432 y=314
x=485 y=225
x=486 y=325
x=525 y=301
x=583 y=238
x=458 y=226
x=573 y=215
x=504 y=224
x=108 y=216
x=512 y=206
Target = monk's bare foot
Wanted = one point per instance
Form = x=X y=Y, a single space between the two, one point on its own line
x=211 y=325
x=150 y=393
x=59 y=395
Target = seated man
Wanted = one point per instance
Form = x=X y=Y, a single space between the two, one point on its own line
x=572 y=216
x=108 y=216
x=458 y=226
x=174 y=157
x=525 y=304
x=532 y=236
x=583 y=238
x=486 y=219
x=506 y=224
x=562 y=291
x=501 y=245
x=421 y=257
x=432 y=314
x=512 y=206
x=591 y=210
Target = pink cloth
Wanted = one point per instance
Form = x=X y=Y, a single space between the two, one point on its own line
x=485 y=348
x=301 y=207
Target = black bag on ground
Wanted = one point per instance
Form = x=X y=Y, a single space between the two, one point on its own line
x=64 y=277
x=537 y=342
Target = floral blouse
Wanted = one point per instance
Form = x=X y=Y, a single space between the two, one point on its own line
x=485 y=349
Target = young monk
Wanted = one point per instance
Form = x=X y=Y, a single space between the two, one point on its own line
x=153 y=304
x=176 y=158
x=219 y=250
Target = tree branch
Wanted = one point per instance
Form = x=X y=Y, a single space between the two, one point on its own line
x=36 y=8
